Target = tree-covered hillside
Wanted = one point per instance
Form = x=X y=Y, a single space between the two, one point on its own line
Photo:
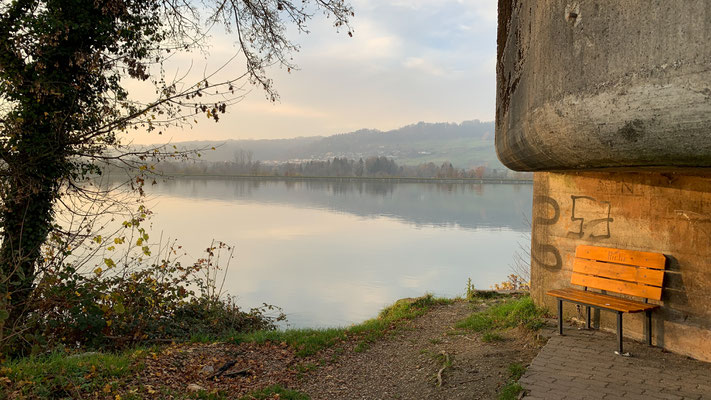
x=465 y=145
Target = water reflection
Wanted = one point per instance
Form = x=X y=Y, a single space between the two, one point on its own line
x=464 y=205
x=334 y=253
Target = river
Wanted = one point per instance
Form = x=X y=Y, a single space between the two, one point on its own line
x=335 y=253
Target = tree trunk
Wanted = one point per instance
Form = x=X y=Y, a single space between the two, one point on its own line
x=26 y=219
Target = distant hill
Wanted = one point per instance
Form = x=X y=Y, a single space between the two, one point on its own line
x=465 y=145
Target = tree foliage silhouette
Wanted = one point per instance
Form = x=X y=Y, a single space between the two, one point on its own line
x=65 y=66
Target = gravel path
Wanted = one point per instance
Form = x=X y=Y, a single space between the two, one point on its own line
x=405 y=365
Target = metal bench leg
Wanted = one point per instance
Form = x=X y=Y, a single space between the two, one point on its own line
x=587 y=317
x=649 y=327
x=619 y=333
x=560 y=317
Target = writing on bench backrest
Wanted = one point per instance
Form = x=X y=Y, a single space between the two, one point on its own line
x=615 y=255
x=634 y=273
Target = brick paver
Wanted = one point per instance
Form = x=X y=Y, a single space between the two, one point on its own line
x=582 y=365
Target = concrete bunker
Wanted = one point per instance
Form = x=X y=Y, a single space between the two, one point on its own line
x=610 y=103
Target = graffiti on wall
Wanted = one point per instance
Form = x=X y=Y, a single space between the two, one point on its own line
x=592 y=217
x=591 y=220
x=546 y=255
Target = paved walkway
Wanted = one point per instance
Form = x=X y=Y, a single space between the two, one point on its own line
x=582 y=365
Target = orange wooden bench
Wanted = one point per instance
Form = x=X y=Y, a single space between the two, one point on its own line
x=627 y=272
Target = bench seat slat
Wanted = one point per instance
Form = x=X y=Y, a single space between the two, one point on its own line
x=628 y=288
x=647 y=276
x=621 y=256
x=601 y=300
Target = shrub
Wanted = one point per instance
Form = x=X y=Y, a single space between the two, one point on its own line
x=514 y=282
x=150 y=303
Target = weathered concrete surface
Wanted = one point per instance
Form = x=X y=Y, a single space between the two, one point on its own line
x=661 y=212
x=592 y=84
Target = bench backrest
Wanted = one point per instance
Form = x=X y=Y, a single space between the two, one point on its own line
x=634 y=273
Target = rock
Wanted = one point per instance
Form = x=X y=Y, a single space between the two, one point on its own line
x=207 y=370
x=195 y=388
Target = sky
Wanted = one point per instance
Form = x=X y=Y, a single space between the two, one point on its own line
x=408 y=61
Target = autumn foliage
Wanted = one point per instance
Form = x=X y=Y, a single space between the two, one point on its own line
x=158 y=303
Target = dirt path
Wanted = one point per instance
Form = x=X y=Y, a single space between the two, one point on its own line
x=402 y=364
x=405 y=365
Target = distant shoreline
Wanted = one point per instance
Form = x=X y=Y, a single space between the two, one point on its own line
x=357 y=179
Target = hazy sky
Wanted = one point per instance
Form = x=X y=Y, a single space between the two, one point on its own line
x=408 y=61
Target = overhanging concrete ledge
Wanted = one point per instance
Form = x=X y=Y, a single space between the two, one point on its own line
x=590 y=84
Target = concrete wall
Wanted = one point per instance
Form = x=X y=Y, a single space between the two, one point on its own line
x=620 y=86
x=652 y=211
x=603 y=83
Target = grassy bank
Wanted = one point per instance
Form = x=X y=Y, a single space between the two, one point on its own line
x=114 y=375
x=509 y=313
x=309 y=341
x=63 y=375
x=120 y=375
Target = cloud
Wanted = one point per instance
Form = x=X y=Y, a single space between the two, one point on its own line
x=423 y=65
x=282 y=110
x=486 y=9
x=409 y=60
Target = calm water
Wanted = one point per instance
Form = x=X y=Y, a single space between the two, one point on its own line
x=332 y=254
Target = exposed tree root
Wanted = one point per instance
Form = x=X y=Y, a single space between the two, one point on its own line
x=444 y=366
